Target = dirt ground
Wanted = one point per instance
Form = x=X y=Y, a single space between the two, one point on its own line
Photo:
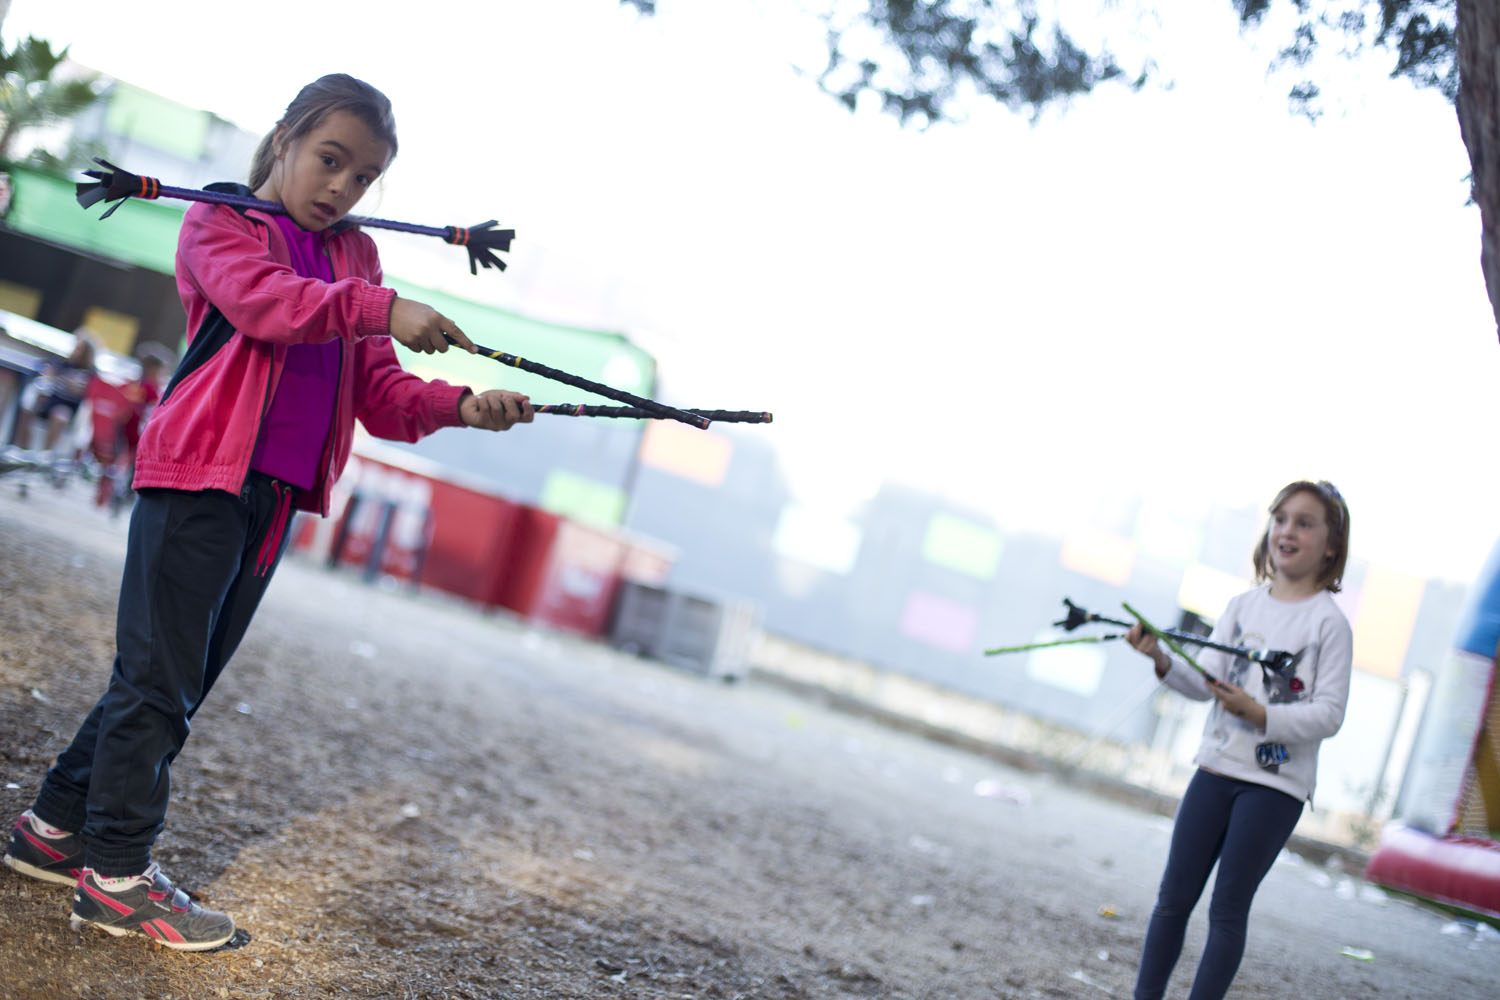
x=399 y=796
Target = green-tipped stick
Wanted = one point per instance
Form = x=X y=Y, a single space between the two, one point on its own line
x=1171 y=643
x=1047 y=645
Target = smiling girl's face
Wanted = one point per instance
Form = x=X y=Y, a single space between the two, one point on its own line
x=321 y=175
x=1298 y=539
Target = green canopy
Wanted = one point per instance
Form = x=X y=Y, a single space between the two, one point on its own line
x=143 y=233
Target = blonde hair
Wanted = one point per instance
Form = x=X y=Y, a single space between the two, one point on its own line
x=315 y=102
x=1335 y=513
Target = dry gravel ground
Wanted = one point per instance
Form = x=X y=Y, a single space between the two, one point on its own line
x=398 y=796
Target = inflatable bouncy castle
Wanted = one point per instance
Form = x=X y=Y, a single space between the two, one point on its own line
x=1445 y=844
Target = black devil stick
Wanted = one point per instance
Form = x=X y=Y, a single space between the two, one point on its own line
x=651 y=406
x=1274 y=659
x=115 y=186
x=590 y=410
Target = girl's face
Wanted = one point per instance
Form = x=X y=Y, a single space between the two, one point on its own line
x=1298 y=537
x=323 y=173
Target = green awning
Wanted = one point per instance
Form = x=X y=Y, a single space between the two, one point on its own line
x=595 y=355
x=142 y=116
x=143 y=233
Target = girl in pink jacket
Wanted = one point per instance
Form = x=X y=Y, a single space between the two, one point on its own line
x=289 y=340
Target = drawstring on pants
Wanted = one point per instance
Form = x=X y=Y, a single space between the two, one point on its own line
x=272 y=543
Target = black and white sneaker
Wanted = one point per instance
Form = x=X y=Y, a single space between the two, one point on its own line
x=148 y=904
x=41 y=852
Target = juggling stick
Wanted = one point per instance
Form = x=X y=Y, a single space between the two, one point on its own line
x=1171 y=643
x=651 y=406
x=116 y=186
x=590 y=410
x=1048 y=645
x=1275 y=659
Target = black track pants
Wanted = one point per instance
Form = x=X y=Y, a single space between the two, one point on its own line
x=196 y=566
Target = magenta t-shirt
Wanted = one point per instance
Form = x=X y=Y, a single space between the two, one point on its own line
x=295 y=429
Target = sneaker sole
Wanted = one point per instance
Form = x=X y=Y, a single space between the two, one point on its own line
x=78 y=923
x=16 y=864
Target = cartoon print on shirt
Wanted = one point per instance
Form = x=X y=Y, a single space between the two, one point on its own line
x=1283 y=686
x=1280 y=687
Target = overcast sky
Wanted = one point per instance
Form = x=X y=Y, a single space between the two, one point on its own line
x=1184 y=294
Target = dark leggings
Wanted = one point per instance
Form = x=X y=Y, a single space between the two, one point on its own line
x=196 y=566
x=1242 y=826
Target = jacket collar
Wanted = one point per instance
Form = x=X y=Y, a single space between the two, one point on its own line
x=243 y=190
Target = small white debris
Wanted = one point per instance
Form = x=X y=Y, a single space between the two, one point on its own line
x=1083 y=977
x=37 y=695
x=923 y=900
x=244 y=708
x=362 y=649
x=411 y=810
x=989 y=788
x=1320 y=878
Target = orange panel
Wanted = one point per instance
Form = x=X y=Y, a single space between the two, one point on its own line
x=1098 y=554
x=1388 y=605
x=701 y=456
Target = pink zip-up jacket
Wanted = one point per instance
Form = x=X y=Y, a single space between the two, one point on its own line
x=245 y=305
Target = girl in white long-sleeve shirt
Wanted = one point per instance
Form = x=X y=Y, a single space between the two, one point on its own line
x=1257 y=763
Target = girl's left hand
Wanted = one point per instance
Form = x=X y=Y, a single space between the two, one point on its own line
x=496 y=409
x=1238 y=703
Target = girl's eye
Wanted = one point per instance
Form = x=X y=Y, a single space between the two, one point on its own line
x=329 y=161
x=364 y=180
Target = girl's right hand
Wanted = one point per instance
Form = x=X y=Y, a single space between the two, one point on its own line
x=420 y=328
x=1145 y=643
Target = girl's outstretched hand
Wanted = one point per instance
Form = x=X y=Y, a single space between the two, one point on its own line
x=420 y=328
x=496 y=409
x=1145 y=643
x=1238 y=703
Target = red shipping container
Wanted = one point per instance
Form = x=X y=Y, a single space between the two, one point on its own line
x=472 y=535
x=563 y=573
x=479 y=545
x=456 y=538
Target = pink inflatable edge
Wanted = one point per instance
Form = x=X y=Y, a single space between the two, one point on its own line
x=1459 y=871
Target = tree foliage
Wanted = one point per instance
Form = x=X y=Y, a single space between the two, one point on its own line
x=920 y=58
x=31 y=96
x=1419 y=33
